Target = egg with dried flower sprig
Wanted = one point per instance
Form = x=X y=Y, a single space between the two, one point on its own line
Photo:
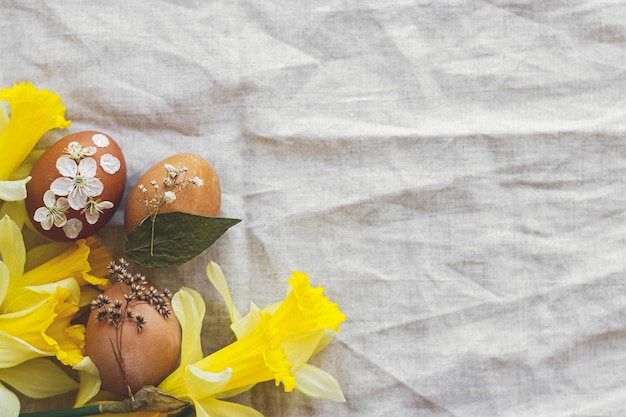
x=77 y=185
x=132 y=335
x=185 y=183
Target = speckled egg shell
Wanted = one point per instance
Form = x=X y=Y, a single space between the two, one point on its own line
x=76 y=186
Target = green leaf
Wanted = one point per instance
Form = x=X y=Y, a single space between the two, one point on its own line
x=178 y=237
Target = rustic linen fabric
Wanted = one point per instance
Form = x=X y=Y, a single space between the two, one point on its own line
x=452 y=172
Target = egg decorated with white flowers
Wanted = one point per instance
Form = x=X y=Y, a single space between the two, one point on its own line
x=77 y=185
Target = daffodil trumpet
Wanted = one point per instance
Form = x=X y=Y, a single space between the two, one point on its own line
x=33 y=113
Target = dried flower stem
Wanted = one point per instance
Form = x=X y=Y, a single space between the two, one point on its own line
x=174 y=182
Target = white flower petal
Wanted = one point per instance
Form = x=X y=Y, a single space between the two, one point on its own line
x=317 y=383
x=67 y=166
x=77 y=199
x=62 y=186
x=62 y=204
x=101 y=141
x=13 y=190
x=93 y=187
x=110 y=164
x=9 y=403
x=49 y=199
x=60 y=220
x=89 y=150
x=87 y=167
x=42 y=216
x=92 y=215
x=72 y=228
x=73 y=145
x=105 y=205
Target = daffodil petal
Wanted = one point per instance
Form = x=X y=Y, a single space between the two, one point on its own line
x=43 y=253
x=327 y=337
x=233 y=392
x=216 y=276
x=73 y=262
x=9 y=403
x=247 y=323
x=12 y=249
x=217 y=408
x=4 y=281
x=89 y=381
x=202 y=384
x=13 y=190
x=38 y=378
x=317 y=383
x=193 y=382
x=300 y=348
x=189 y=308
x=16 y=210
x=24 y=298
x=14 y=351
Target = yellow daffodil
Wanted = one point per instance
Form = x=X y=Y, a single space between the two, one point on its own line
x=36 y=306
x=33 y=113
x=306 y=321
x=272 y=344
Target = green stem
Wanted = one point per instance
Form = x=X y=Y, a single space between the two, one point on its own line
x=72 y=412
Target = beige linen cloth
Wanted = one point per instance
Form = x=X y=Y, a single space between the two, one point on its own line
x=451 y=172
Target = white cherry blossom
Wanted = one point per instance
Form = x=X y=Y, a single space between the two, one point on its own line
x=79 y=181
x=53 y=211
x=76 y=151
x=93 y=208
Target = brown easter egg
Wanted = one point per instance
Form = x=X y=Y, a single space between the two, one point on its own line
x=145 y=344
x=184 y=183
x=76 y=186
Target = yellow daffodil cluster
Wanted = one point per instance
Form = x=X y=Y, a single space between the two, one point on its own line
x=40 y=294
x=273 y=343
x=41 y=288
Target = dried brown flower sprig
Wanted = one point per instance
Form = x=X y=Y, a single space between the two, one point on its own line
x=116 y=312
x=174 y=182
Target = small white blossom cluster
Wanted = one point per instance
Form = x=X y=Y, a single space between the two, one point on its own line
x=77 y=188
x=165 y=192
